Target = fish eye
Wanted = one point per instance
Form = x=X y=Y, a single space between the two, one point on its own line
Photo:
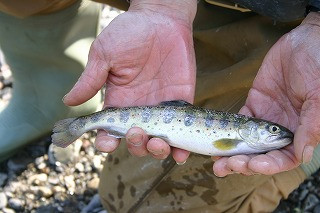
x=274 y=129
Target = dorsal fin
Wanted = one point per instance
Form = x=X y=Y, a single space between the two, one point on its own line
x=175 y=103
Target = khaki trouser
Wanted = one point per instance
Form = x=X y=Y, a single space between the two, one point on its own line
x=230 y=47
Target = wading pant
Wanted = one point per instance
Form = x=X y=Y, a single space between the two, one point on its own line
x=230 y=47
x=46 y=54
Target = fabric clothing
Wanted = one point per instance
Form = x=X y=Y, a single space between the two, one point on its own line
x=46 y=55
x=27 y=8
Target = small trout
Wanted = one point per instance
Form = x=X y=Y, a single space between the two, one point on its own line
x=181 y=125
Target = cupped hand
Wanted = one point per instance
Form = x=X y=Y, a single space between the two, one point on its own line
x=287 y=91
x=144 y=56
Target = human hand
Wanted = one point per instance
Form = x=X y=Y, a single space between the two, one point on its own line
x=144 y=56
x=287 y=91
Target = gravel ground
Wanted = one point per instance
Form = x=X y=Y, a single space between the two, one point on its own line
x=39 y=179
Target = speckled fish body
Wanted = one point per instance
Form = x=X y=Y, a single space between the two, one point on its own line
x=184 y=126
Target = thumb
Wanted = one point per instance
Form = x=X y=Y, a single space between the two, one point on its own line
x=246 y=111
x=90 y=82
x=307 y=135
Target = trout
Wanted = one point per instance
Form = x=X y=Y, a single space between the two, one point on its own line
x=181 y=125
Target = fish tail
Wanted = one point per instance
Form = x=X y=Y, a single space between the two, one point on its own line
x=63 y=135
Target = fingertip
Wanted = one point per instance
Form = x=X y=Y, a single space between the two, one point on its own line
x=215 y=158
x=239 y=164
x=220 y=168
x=261 y=164
x=136 y=140
x=299 y=143
x=136 y=136
x=307 y=154
x=106 y=143
x=90 y=82
x=180 y=155
x=245 y=111
x=158 y=148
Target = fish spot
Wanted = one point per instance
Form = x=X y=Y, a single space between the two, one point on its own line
x=223 y=123
x=81 y=123
x=94 y=117
x=209 y=121
x=110 y=120
x=189 y=119
x=236 y=124
x=225 y=144
x=124 y=116
x=146 y=115
x=198 y=131
x=168 y=115
x=155 y=123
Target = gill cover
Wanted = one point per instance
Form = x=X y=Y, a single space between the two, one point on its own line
x=249 y=133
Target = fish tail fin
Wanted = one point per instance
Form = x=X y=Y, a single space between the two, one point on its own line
x=63 y=135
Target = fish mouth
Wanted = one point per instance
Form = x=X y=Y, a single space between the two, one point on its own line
x=287 y=135
x=286 y=138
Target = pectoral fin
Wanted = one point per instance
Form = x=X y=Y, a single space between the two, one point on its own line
x=226 y=144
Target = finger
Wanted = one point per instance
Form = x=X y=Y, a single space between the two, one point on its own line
x=180 y=155
x=158 y=148
x=239 y=164
x=307 y=134
x=137 y=142
x=246 y=111
x=220 y=168
x=215 y=158
x=90 y=81
x=106 y=143
x=274 y=162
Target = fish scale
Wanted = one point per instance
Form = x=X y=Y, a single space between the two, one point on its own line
x=182 y=125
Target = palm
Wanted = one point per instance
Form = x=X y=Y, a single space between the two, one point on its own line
x=147 y=65
x=143 y=58
x=284 y=91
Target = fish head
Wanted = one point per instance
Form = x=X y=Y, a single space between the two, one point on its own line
x=265 y=135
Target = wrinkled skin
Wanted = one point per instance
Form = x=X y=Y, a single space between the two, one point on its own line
x=146 y=56
x=286 y=90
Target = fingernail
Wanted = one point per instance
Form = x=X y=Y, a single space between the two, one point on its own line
x=215 y=158
x=219 y=176
x=64 y=97
x=181 y=163
x=307 y=154
x=135 y=139
x=156 y=152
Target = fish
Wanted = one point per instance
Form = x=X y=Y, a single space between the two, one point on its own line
x=181 y=125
